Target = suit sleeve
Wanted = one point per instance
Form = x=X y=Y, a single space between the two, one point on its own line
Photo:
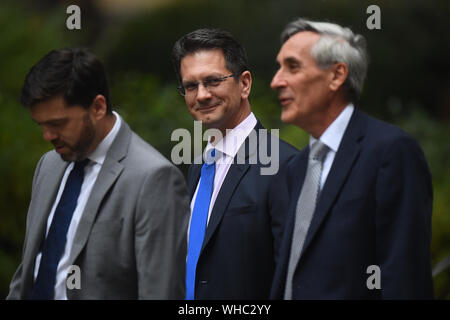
x=16 y=282
x=160 y=235
x=403 y=222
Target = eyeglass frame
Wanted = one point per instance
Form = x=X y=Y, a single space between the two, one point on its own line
x=205 y=83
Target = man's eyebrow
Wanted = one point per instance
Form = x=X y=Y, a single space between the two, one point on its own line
x=291 y=60
x=209 y=77
x=51 y=121
x=188 y=82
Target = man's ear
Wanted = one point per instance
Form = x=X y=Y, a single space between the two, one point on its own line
x=98 y=107
x=338 y=75
x=246 y=82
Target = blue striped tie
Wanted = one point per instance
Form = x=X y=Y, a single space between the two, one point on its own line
x=55 y=242
x=198 y=224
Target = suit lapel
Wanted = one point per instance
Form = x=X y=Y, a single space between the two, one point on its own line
x=45 y=195
x=110 y=171
x=230 y=183
x=48 y=189
x=232 y=179
x=346 y=156
x=296 y=172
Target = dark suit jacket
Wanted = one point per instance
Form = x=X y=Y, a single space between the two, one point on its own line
x=374 y=209
x=237 y=260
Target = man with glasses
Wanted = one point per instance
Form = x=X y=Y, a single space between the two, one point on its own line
x=237 y=213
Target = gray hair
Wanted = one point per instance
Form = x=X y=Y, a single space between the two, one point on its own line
x=336 y=44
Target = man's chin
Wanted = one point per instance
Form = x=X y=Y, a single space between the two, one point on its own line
x=65 y=158
x=287 y=117
x=69 y=157
x=208 y=121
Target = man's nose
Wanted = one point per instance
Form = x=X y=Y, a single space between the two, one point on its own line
x=48 y=134
x=203 y=92
x=278 y=80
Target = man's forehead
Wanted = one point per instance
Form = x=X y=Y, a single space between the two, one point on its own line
x=205 y=51
x=203 y=62
x=46 y=117
x=52 y=109
x=297 y=44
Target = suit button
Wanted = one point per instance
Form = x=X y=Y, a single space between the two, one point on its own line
x=204 y=282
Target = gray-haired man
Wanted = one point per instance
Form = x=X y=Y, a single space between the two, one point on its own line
x=359 y=221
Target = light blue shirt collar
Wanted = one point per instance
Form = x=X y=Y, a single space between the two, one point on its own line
x=332 y=136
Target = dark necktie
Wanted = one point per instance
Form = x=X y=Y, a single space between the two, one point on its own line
x=198 y=224
x=55 y=242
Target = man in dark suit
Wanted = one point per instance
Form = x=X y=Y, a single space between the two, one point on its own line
x=236 y=223
x=108 y=213
x=359 y=221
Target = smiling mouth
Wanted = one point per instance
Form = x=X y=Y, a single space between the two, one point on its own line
x=207 y=108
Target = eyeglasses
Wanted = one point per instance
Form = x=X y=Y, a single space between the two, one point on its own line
x=189 y=88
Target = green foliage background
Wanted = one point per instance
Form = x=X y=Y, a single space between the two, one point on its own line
x=408 y=83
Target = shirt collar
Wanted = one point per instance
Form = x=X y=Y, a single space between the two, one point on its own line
x=99 y=154
x=230 y=144
x=332 y=136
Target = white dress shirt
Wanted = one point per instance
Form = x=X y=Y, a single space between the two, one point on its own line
x=91 y=171
x=332 y=138
x=226 y=150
